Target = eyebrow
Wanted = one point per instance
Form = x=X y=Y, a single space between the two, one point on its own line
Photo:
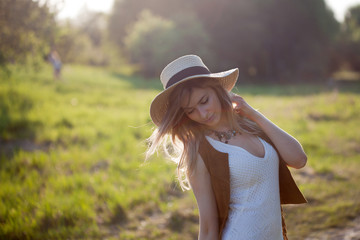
x=197 y=102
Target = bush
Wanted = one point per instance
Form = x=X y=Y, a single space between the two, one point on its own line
x=26 y=28
x=154 y=41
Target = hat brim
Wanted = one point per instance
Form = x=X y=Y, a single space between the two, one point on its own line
x=160 y=103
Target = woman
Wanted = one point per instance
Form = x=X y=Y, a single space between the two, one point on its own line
x=232 y=157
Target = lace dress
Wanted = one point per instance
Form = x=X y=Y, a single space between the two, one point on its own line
x=255 y=212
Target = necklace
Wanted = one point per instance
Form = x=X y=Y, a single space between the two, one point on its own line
x=225 y=136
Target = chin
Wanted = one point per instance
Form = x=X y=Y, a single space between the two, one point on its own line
x=213 y=123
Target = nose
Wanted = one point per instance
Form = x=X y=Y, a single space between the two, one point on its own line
x=203 y=113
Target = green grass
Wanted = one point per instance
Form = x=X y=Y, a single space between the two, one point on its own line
x=72 y=157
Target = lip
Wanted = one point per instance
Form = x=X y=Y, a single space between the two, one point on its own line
x=210 y=119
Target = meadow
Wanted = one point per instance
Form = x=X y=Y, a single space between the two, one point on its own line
x=72 y=157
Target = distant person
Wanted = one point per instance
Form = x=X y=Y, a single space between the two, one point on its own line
x=232 y=157
x=54 y=59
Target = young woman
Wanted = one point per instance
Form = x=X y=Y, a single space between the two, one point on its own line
x=232 y=157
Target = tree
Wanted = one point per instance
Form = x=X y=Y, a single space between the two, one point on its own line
x=350 y=38
x=83 y=40
x=27 y=30
x=93 y=24
x=154 y=41
x=126 y=12
x=272 y=39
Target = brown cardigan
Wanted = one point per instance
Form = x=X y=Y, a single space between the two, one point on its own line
x=218 y=166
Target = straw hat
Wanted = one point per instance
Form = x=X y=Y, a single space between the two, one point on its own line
x=183 y=69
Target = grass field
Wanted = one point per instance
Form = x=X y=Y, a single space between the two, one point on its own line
x=72 y=157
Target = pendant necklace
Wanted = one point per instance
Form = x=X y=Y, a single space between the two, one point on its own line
x=225 y=136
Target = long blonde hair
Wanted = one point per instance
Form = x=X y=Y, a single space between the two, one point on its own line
x=180 y=137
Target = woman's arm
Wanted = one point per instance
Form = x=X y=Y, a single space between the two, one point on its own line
x=289 y=148
x=201 y=185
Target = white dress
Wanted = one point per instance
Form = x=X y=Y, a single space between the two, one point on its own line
x=255 y=212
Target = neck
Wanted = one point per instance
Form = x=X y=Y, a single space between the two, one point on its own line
x=222 y=126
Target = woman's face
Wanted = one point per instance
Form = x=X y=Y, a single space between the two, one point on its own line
x=203 y=106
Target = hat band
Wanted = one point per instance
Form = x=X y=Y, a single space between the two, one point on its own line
x=187 y=72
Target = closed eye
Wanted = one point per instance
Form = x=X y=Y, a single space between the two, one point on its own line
x=204 y=101
x=190 y=112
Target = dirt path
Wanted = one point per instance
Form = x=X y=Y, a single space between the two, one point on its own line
x=351 y=232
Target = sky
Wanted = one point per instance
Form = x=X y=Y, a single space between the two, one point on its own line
x=339 y=7
x=71 y=8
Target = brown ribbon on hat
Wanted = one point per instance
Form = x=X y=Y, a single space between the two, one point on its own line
x=187 y=72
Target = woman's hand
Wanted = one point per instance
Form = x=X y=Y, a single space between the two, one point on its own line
x=289 y=148
x=242 y=107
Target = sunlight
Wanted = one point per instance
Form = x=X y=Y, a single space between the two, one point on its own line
x=339 y=7
x=70 y=8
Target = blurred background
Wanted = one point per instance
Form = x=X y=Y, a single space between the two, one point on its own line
x=269 y=41
x=77 y=79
